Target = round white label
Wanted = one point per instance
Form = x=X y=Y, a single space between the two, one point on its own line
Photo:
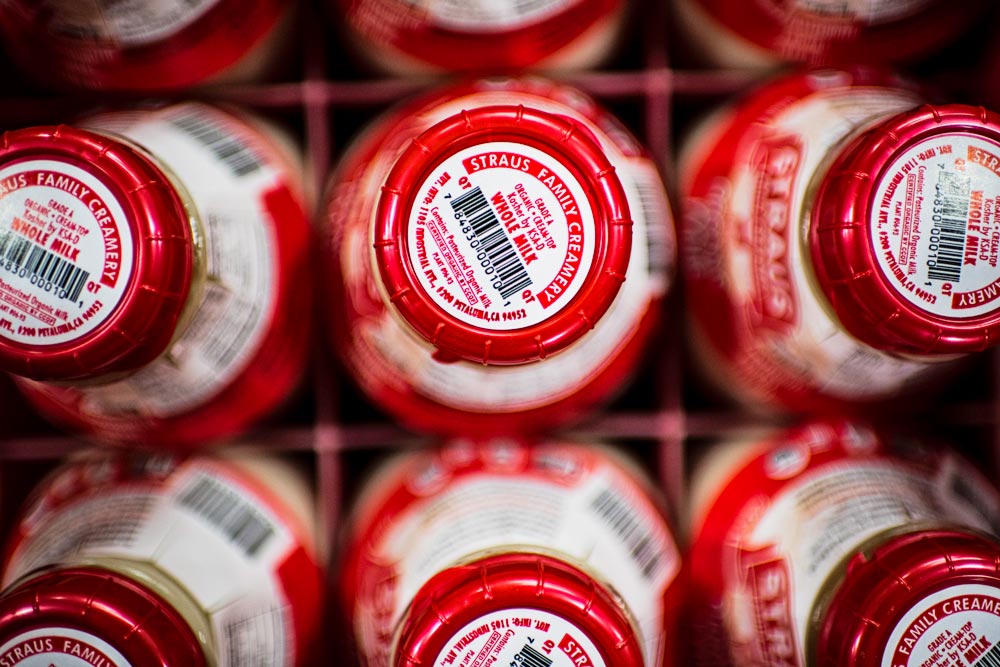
x=520 y=637
x=936 y=229
x=501 y=235
x=955 y=627
x=66 y=253
x=59 y=647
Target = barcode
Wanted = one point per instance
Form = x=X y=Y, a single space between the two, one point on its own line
x=532 y=658
x=256 y=638
x=656 y=216
x=641 y=543
x=222 y=507
x=991 y=659
x=492 y=242
x=227 y=148
x=49 y=271
x=951 y=211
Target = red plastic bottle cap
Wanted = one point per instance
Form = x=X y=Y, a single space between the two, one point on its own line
x=917 y=596
x=76 y=617
x=473 y=41
x=872 y=32
x=454 y=262
x=96 y=255
x=163 y=47
x=905 y=236
x=497 y=605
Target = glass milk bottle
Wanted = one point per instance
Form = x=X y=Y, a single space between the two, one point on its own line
x=832 y=544
x=405 y=38
x=500 y=552
x=767 y=33
x=499 y=255
x=154 y=276
x=123 y=561
x=839 y=240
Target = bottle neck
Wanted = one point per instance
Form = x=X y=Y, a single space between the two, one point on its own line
x=199 y=249
x=164 y=586
x=124 y=613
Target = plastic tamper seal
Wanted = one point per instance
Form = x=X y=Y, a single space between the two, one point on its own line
x=900 y=234
x=574 y=162
x=914 y=597
x=460 y=600
x=105 y=288
x=84 y=615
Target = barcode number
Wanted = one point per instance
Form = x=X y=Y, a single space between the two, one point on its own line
x=47 y=271
x=494 y=251
x=949 y=221
x=244 y=525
